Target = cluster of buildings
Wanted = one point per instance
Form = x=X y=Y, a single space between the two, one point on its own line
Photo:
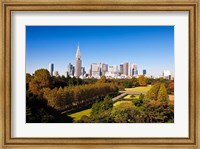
x=124 y=70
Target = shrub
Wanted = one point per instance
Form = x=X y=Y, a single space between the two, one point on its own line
x=127 y=113
x=138 y=101
x=102 y=106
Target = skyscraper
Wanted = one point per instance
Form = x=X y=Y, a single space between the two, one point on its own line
x=133 y=72
x=51 y=69
x=96 y=70
x=144 y=72
x=121 y=68
x=135 y=67
x=113 y=69
x=78 y=63
x=70 y=69
x=83 y=71
x=104 y=69
x=129 y=70
x=125 y=68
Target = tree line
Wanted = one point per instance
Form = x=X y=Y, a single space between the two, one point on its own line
x=69 y=97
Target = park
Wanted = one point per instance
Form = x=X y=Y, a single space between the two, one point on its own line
x=73 y=100
x=125 y=97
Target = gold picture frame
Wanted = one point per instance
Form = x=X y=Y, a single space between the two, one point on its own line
x=192 y=6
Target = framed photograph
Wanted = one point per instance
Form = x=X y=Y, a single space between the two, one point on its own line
x=99 y=74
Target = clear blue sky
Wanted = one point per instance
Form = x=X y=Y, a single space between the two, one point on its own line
x=150 y=47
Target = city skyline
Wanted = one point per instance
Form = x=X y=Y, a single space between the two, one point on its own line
x=146 y=58
x=125 y=70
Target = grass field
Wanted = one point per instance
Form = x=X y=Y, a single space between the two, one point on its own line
x=139 y=89
x=130 y=96
x=77 y=116
x=119 y=102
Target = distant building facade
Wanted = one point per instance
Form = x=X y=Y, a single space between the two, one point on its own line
x=51 y=69
x=70 y=70
x=144 y=72
x=96 y=70
x=113 y=69
x=121 y=68
x=167 y=74
x=83 y=72
x=135 y=69
x=125 y=68
x=104 y=69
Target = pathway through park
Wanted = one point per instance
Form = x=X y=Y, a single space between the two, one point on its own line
x=124 y=93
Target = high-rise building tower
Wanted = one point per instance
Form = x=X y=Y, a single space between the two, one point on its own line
x=135 y=67
x=104 y=69
x=70 y=69
x=96 y=70
x=125 y=68
x=83 y=71
x=144 y=72
x=51 y=69
x=121 y=68
x=78 y=63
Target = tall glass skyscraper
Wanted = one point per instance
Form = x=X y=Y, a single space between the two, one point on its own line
x=51 y=69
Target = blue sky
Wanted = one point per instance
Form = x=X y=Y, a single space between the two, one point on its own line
x=150 y=47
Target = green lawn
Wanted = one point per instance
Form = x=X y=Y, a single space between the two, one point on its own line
x=119 y=102
x=139 y=89
x=78 y=115
x=130 y=96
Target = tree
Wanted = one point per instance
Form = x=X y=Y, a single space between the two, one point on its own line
x=51 y=96
x=142 y=80
x=127 y=83
x=162 y=94
x=158 y=112
x=153 y=92
x=107 y=103
x=28 y=80
x=43 y=77
x=127 y=113
x=34 y=87
x=170 y=87
x=37 y=111
x=28 y=77
x=102 y=106
x=138 y=101
x=41 y=80
x=135 y=82
x=102 y=80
